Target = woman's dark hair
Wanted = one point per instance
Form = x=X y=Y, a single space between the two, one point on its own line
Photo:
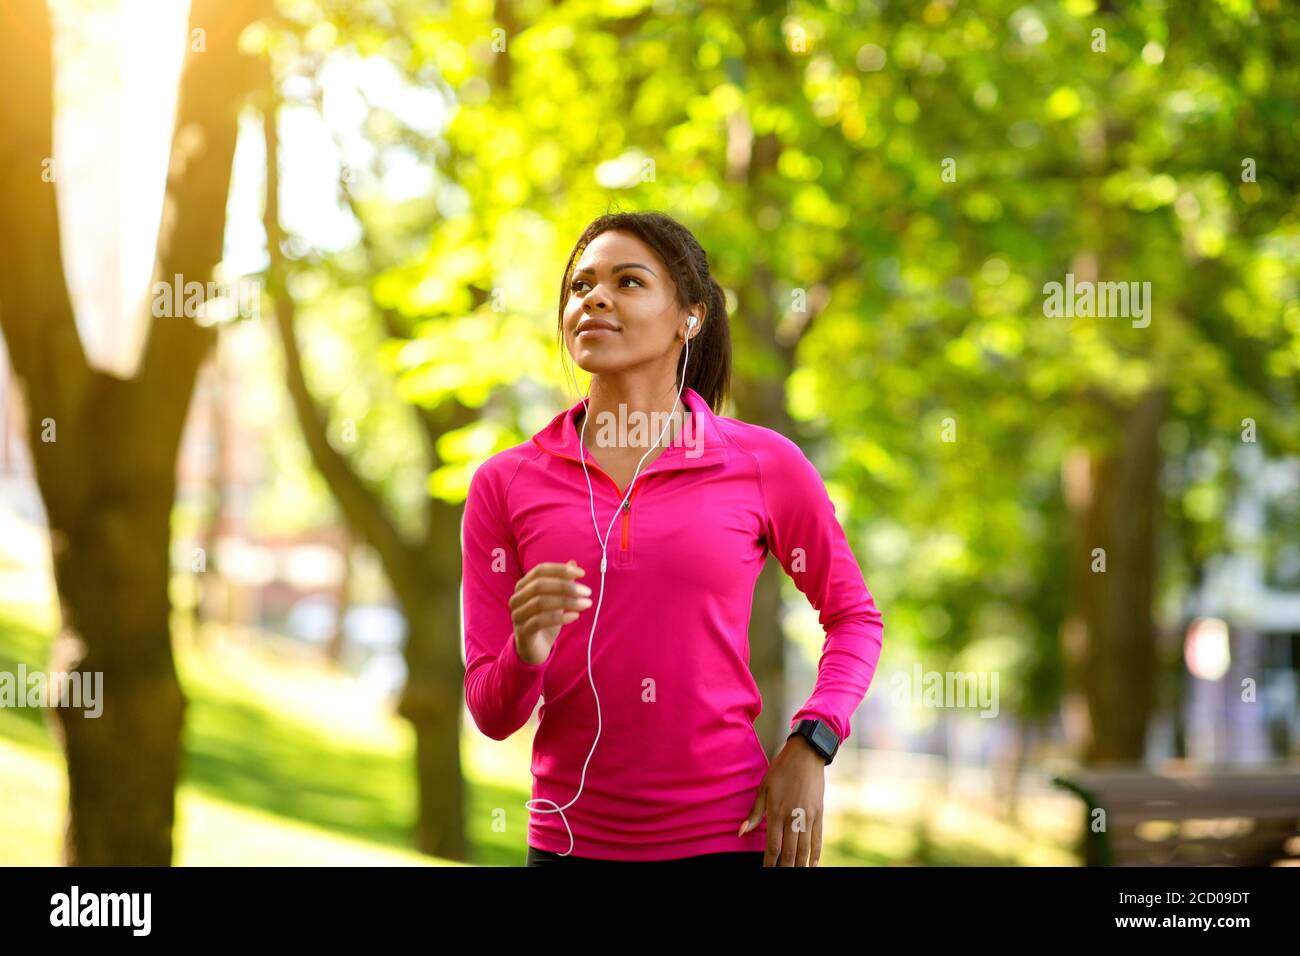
x=710 y=366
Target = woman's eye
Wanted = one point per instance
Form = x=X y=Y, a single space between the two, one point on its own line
x=579 y=282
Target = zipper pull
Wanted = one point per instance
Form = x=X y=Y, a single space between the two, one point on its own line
x=627 y=505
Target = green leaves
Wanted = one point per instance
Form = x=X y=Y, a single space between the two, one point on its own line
x=884 y=194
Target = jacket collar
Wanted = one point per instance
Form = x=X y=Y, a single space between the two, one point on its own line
x=700 y=443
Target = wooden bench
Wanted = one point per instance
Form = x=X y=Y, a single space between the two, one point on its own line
x=1189 y=815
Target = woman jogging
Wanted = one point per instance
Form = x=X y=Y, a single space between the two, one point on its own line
x=609 y=566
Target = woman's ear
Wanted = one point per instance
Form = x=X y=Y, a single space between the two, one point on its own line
x=698 y=310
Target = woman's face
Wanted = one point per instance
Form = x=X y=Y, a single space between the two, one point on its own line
x=622 y=309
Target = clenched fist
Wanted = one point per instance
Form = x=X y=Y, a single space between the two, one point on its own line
x=545 y=599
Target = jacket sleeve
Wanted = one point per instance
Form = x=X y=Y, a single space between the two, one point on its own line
x=501 y=690
x=809 y=542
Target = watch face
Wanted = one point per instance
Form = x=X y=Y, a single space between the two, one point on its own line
x=825 y=738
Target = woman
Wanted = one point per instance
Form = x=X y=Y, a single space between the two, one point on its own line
x=611 y=573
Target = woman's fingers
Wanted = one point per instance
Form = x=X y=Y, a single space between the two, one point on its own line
x=775 y=838
x=554 y=569
x=549 y=603
x=552 y=618
x=549 y=597
x=755 y=812
x=530 y=586
x=805 y=846
x=547 y=586
x=545 y=599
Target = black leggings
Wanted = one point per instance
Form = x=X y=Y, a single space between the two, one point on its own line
x=538 y=857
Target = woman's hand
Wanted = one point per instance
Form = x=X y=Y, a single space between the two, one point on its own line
x=792 y=793
x=545 y=599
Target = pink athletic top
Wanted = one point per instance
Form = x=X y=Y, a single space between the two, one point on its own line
x=678 y=763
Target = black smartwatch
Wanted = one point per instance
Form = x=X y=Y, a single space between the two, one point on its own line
x=819 y=734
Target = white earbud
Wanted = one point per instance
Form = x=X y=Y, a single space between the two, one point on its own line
x=692 y=322
x=600 y=597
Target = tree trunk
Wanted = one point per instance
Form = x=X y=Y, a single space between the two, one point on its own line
x=763 y=403
x=431 y=701
x=425 y=576
x=111 y=571
x=1118 y=509
x=104 y=448
x=435 y=689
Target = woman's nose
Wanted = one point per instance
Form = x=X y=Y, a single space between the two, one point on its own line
x=595 y=299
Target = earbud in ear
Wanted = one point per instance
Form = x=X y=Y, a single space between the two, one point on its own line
x=692 y=322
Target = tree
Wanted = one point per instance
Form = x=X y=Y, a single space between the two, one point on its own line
x=886 y=196
x=105 y=447
x=1011 y=146
x=423 y=567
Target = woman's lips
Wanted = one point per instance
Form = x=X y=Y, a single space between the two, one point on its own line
x=596 y=333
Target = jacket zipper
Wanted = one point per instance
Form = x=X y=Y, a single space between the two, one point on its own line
x=627 y=505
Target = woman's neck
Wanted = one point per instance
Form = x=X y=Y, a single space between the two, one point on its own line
x=636 y=413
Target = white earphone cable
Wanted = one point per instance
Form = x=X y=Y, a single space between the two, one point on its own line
x=591 y=495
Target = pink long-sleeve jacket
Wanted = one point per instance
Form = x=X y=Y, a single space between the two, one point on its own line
x=678 y=763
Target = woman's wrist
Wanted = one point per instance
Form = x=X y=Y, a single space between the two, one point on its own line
x=805 y=747
x=522 y=655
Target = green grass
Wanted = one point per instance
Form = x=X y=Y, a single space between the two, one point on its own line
x=289 y=761
x=24 y=639
x=286 y=760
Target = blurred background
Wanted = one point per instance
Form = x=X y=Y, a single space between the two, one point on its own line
x=239 y=501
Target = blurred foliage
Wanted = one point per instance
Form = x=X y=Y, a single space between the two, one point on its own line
x=807 y=144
